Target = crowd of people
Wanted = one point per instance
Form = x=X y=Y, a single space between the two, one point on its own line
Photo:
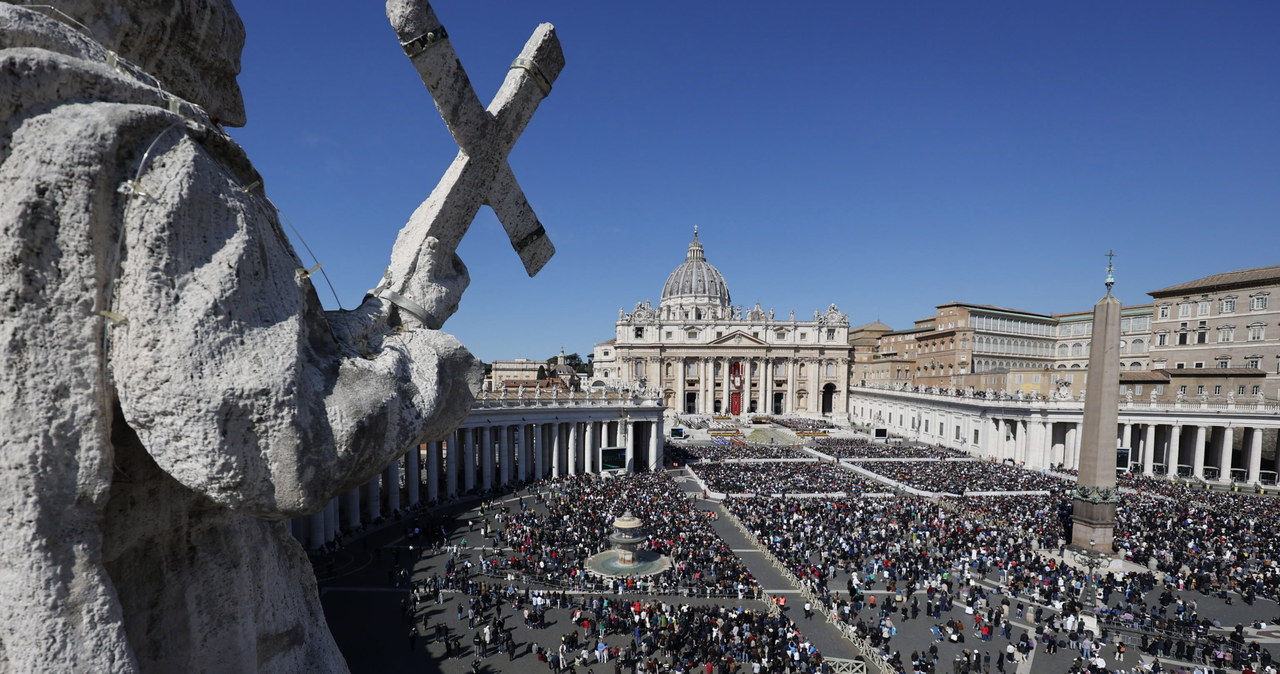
x=861 y=448
x=779 y=477
x=958 y=477
x=721 y=449
x=573 y=520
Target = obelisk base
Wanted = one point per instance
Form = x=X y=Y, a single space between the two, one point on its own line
x=1093 y=525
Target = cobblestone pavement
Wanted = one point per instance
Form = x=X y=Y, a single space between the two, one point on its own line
x=364 y=608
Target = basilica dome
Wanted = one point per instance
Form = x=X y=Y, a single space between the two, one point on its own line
x=695 y=281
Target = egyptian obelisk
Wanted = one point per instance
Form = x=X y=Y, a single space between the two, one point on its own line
x=1093 y=508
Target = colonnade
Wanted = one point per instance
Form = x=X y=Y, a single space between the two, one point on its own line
x=1228 y=445
x=493 y=454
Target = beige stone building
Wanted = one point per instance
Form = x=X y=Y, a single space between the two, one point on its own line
x=1219 y=336
x=707 y=356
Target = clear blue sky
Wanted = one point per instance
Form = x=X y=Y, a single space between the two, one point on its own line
x=886 y=156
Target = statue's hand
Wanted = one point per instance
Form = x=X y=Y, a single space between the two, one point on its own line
x=431 y=294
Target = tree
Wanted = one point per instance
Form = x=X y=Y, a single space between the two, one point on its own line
x=542 y=372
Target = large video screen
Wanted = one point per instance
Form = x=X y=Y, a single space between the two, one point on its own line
x=613 y=458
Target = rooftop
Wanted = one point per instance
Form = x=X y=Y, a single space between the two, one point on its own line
x=1224 y=281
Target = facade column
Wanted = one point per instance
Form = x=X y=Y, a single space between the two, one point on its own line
x=790 y=397
x=373 y=498
x=1126 y=440
x=680 y=382
x=766 y=386
x=484 y=445
x=453 y=464
x=724 y=382
x=747 y=364
x=1224 y=454
x=1197 y=462
x=1255 y=455
x=413 y=475
x=468 y=458
x=504 y=468
x=1171 y=455
x=433 y=471
x=706 y=383
x=815 y=394
x=1000 y=439
x=391 y=483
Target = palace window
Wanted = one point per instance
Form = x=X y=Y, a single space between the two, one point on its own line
x=1159 y=389
x=1200 y=390
x=692 y=334
x=1256 y=389
x=1202 y=308
x=1162 y=339
x=1227 y=333
x=1184 y=310
x=1257 y=332
x=1198 y=364
x=1224 y=361
x=667 y=334
x=1217 y=390
x=804 y=336
x=1254 y=362
x=1240 y=390
x=831 y=334
x=1258 y=302
x=1164 y=311
x=639 y=333
x=1182 y=389
x=1228 y=305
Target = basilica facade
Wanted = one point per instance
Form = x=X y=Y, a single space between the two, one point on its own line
x=706 y=356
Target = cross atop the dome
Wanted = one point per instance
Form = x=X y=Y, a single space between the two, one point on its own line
x=695 y=231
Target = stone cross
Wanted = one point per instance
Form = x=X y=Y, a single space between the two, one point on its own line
x=479 y=173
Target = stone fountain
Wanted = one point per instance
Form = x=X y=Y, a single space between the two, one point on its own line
x=625 y=558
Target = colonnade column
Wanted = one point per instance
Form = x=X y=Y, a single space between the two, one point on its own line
x=536 y=447
x=413 y=475
x=589 y=450
x=557 y=443
x=707 y=384
x=315 y=537
x=1149 y=451
x=433 y=471
x=504 y=465
x=453 y=464
x=1020 y=442
x=1224 y=454
x=373 y=497
x=656 y=445
x=484 y=445
x=1171 y=454
x=391 y=482
x=468 y=458
x=351 y=507
x=571 y=453
x=624 y=430
x=524 y=440
x=789 y=396
x=1070 y=457
x=1255 y=455
x=1197 y=460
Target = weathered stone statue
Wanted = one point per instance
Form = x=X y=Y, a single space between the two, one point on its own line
x=173 y=389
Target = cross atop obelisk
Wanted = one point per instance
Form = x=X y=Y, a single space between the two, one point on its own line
x=1095 y=497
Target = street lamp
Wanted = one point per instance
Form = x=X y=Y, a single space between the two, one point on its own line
x=1091 y=558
